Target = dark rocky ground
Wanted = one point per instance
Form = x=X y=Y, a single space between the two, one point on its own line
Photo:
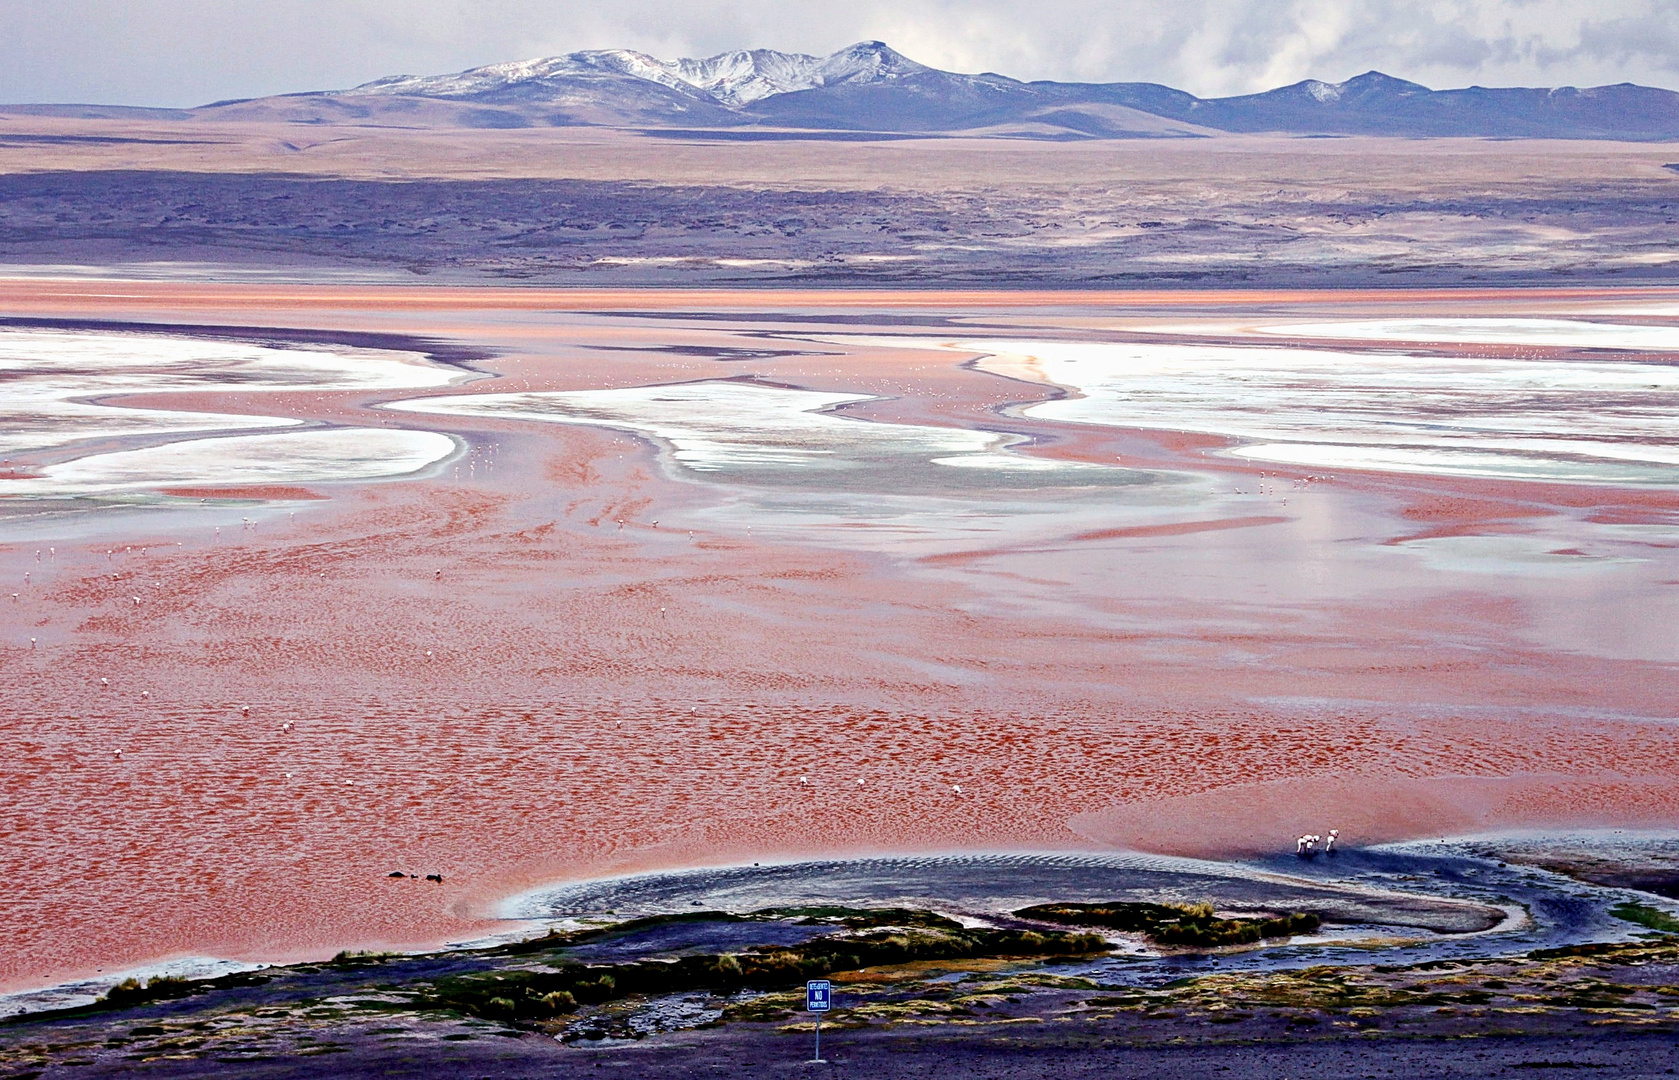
x=1608 y=1006
x=947 y=1054
x=590 y=232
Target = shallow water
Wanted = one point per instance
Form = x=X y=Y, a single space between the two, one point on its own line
x=487 y=640
x=754 y=433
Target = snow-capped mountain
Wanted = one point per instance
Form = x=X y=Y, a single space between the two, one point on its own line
x=869 y=87
x=732 y=79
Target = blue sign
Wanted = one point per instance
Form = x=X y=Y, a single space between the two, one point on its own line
x=819 y=996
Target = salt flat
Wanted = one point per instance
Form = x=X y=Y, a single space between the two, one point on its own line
x=1539 y=418
x=334 y=455
x=65 y=416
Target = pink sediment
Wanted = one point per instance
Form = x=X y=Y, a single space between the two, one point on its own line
x=490 y=680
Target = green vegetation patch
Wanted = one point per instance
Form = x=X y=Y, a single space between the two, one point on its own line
x=536 y=995
x=132 y=992
x=1192 y=925
x=1654 y=918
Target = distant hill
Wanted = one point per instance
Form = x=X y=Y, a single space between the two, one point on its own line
x=869 y=87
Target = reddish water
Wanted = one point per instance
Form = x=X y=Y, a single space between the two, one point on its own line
x=599 y=699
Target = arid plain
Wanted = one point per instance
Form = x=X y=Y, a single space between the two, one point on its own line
x=622 y=642
x=593 y=207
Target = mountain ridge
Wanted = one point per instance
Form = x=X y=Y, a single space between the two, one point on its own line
x=870 y=87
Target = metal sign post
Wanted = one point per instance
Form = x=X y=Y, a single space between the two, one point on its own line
x=819 y=998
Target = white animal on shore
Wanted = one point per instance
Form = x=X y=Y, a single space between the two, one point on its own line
x=1329 y=844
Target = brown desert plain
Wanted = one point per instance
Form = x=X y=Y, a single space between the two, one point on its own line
x=567 y=655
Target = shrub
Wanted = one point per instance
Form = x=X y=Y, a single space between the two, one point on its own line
x=559 y=1001
x=163 y=987
x=1194 y=925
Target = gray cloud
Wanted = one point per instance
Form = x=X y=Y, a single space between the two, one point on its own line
x=183 y=52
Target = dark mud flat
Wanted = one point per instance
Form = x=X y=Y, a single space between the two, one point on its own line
x=1338 y=889
x=1623 y=860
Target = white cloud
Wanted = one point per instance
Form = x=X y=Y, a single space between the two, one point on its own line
x=182 y=52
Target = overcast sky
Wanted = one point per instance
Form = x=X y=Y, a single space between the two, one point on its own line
x=188 y=52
